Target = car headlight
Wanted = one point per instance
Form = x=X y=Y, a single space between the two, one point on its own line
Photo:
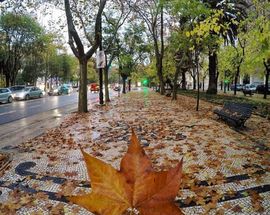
x=20 y=94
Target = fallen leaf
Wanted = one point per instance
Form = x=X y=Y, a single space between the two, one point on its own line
x=135 y=186
x=237 y=208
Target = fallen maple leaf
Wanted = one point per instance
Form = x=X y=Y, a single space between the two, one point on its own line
x=135 y=186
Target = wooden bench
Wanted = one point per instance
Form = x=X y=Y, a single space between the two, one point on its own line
x=236 y=113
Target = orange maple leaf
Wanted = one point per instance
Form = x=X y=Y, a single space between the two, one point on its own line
x=135 y=186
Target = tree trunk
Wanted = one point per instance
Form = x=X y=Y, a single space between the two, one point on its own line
x=7 y=80
x=203 y=84
x=46 y=79
x=267 y=67
x=184 y=81
x=212 y=88
x=194 y=82
x=129 y=85
x=124 y=85
x=236 y=79
x=160 y=75
x=198 y=88
x=106 y=83
x=82 y=105
x=175 y=86
x=198 y=79
x=13 y=80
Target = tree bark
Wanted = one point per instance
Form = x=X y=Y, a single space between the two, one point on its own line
x=198 y=79
x=106 y=83
x=236 y=79
x=7 y=79
x=194 y=82
x=203 y=83
x=212 y=87
x=161 y=80
x=129 y=85
x=124 y=84
x=184 y=81
x=82 y=104
x=175 y=86
x=266 y=83
x=267 y=74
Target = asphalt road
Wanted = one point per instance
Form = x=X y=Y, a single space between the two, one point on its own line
x=22 y=109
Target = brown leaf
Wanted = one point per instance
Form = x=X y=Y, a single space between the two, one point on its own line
x=136 y=185
x=237 y=208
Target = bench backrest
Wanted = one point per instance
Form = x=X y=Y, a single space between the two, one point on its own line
x=245 y=110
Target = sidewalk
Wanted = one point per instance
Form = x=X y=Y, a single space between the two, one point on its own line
x=225 y=172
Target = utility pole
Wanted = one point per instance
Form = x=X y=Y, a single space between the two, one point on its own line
x=101 y=99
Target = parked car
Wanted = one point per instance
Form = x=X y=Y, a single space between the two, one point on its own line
x=5 y=95
x=250 y=87
x=239 y=87
x=28 y=93
x=261 y=88
x=59 y=90
x=94 y=87
x=16 y=88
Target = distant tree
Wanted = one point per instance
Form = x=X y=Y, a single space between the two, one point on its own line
x=222 y=22
x=152 y=13
x=115 y=17
x=19 y=33
x=132 y=50
x=258 y=41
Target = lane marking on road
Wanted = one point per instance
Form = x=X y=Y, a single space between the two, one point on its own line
x=34 y=106
x=7 y=112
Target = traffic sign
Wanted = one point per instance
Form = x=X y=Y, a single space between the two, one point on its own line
x=101 y=60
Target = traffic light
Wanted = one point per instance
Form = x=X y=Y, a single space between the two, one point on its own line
x=145 y=82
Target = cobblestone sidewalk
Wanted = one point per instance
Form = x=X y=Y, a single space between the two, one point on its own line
x=225 y=171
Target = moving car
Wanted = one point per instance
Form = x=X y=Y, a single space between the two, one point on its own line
x=94 y=87
x=59 y=90
x=5 y=95
x=28 y=93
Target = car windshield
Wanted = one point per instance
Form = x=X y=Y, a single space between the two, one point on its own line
x=27 y=89
x=16 y=88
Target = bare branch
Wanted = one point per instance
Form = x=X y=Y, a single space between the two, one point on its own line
x=94 y=47
x=72 y=33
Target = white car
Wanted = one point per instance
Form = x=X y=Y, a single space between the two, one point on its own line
x=250 y=87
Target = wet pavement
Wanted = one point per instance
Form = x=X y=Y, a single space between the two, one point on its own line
x=22 y=109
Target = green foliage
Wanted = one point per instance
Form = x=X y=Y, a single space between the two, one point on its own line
x=188 y=9
x=133 y=49
x=92 y=74
x=258 y=38
x=20 y=27
x=21 y=37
